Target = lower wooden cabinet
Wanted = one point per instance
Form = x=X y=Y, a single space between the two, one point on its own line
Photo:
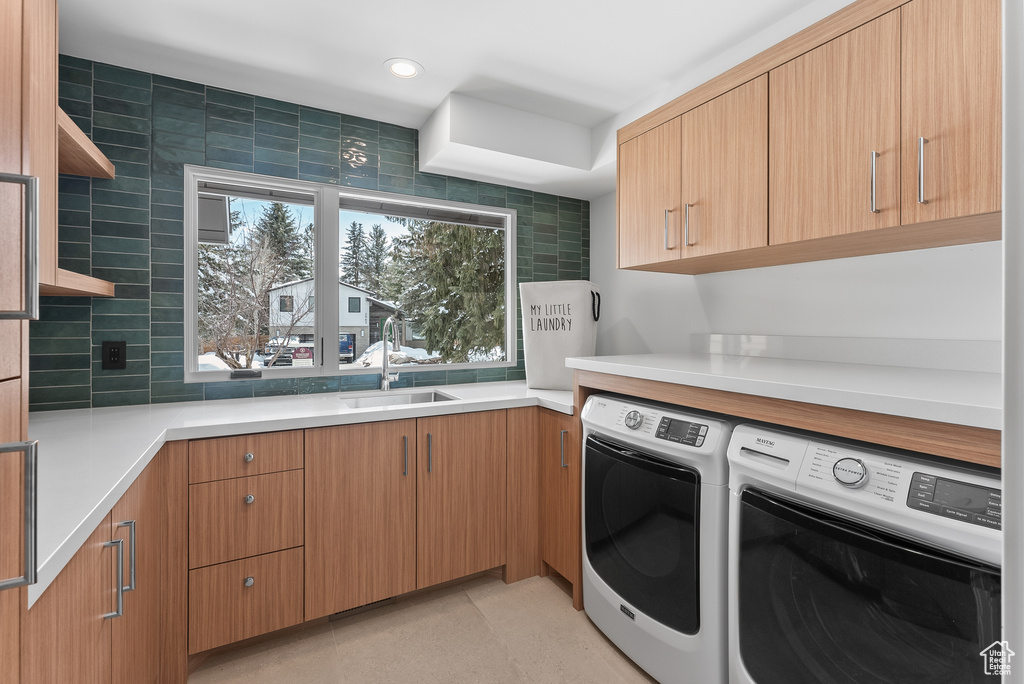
x=360 y=515
x=245 y=516
x=460 y=505
x=245 y=546
x=65 y=636
x=148 y=642
x=560 y=471
x=244 y=598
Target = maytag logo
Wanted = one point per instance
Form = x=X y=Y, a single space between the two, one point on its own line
x=630 y=614
x=765 y=442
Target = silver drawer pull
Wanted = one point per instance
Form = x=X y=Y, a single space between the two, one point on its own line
x=249 y=498
x=562 y=440
x=31 y=310
x=31 y=458
x=248 y=457
x=119 y=612
x=249 y=581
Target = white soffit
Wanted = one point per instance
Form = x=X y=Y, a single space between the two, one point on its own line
x=470 y=137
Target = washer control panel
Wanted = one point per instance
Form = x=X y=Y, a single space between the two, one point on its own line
x=863 y=474
x=681 y=431
x=968 y=503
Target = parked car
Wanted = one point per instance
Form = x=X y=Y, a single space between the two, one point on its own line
x=346 y=347
x=286 y=345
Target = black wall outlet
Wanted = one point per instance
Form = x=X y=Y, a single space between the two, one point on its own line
x=115 y=355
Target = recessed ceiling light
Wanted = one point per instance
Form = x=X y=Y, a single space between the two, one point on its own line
x=403 y=68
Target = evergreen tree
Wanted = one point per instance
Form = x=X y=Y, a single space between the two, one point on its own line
x=376 y=251
x=292 y=246
x=451 y=280
x=353 y=257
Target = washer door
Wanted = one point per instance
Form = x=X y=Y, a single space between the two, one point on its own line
x=641 y=528
x=825 y=601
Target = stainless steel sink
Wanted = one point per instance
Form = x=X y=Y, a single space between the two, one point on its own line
x=393 y=398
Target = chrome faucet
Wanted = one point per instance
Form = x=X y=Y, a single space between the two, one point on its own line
x=385 y=378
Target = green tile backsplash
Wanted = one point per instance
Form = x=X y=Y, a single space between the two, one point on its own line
x=130 y=230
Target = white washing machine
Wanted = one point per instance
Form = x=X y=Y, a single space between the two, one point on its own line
x=854 y=564
x=655 y=501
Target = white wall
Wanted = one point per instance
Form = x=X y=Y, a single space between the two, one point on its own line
x=946 y=293
x=950 y=293
x=640 y=312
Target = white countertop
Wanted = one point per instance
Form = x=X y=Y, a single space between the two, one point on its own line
x=947 y=396
x=88 y=458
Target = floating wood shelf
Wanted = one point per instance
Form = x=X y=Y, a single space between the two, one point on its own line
x=77 y=154
x=71 y=284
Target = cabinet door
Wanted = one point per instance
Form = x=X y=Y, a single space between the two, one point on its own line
x=65 y=637
x=360 y=515
x=12 y=526
x=952 y=83
x=39 y=89
x=648 y=197
x=149 y=641
x=560 y=494
x=725 y=172
x=460 y=518
x=831 y=110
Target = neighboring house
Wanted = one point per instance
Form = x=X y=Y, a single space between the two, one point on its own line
x=359 y=312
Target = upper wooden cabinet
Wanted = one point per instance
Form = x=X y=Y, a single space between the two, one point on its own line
x=952 y=99
x=725 y=172
x=835 y=136
x=883 y=135
x=649 y=168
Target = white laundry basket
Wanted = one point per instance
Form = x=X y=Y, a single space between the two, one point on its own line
x=559 y=321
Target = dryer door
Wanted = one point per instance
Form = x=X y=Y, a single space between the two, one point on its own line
x=826 y=601
x=641 y=527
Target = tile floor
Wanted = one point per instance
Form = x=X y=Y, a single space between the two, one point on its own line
x=481 y=631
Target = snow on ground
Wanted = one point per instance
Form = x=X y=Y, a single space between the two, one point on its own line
x=374 y=356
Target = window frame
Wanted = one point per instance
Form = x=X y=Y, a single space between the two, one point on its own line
x=327 y=203
x=359 y=304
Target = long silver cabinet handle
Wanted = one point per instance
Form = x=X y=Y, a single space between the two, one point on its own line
x=666 y=228
x=430 y=452
x=31 y=459
x=686 y=225
x=405 y=468
x=874 y=182
x=119 y=612
x=31 y=310
x=920 y=171
x=562 y=440
x=130 y=524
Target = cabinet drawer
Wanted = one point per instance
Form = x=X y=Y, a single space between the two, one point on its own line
x=222 y=609
x=224 y=457
x=222 y=526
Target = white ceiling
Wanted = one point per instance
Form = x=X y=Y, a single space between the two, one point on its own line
x=586 y=63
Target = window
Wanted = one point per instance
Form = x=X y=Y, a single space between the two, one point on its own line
x=438 y=268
